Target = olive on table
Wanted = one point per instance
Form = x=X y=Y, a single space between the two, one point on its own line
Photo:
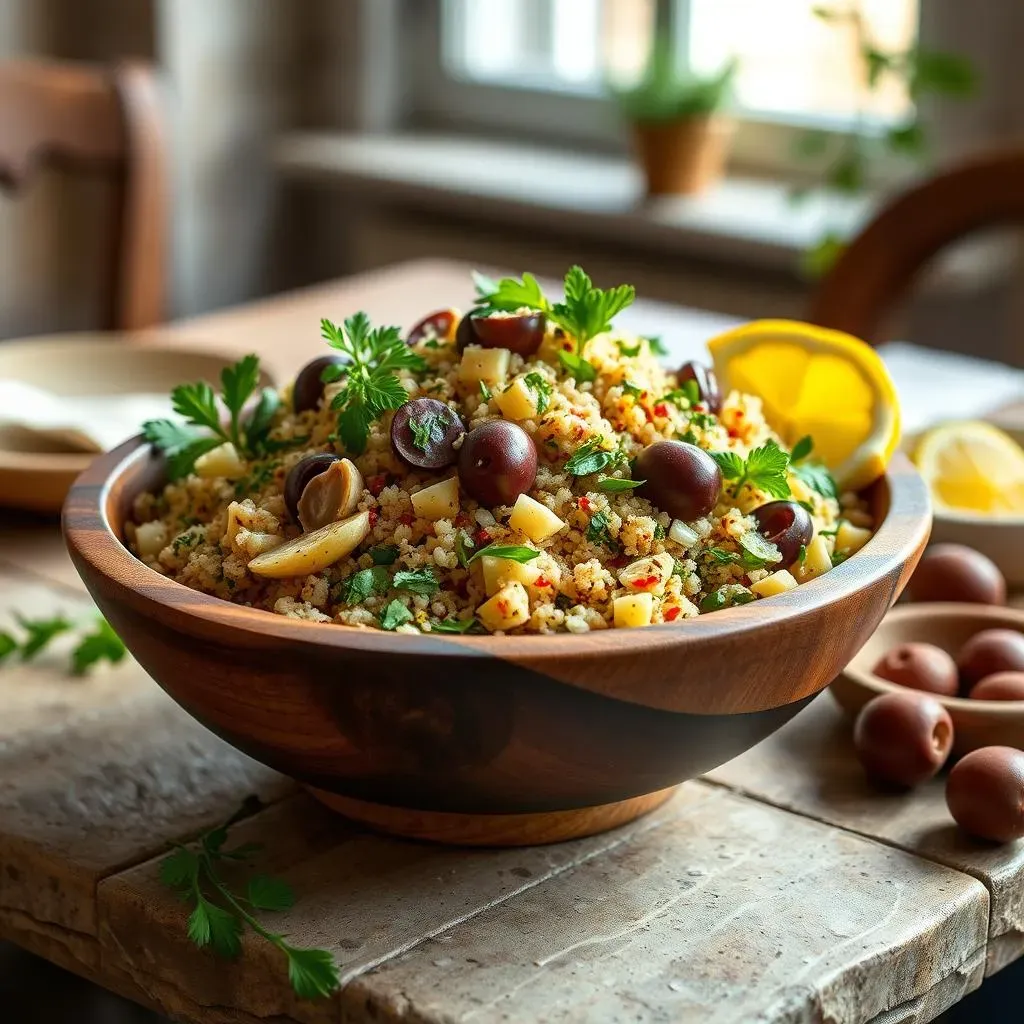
x=707 y=384
x=985 y=793
x=308 y=388
x=955 y=572
x=988 y=652
x=518 y=332
x=903 y=738
x=787 y=525
x=920 y=667
x=300 y=474
x=434 y=325
x=681 y=479
x=425 y=433
x=999 y=686
x=497 y=463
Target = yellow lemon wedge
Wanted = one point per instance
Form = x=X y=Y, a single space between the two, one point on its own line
x=973 y=466
x=819 y=382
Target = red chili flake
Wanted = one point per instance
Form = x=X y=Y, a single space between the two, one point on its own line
x=661 y=409
x=377 y=483
x=584 y=503
x=374 y=516
x=542 y=581
x=739 y=414
x=647 y=581
x=406 y=519
x=733 y=432
x=745 y=580
x=700 y=407
x=503 y=607
x=481 y=536
x=671 y=614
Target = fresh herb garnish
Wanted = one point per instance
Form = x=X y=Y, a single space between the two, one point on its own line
x=416 y=581
x=395 y=615
x=515 y=552
x=463 y=546
x=632 y=389
x=598 y=533
x=578 y=367
x=802 y=448
x=590 y=457
x=839 y=556
x=372 y=386
x=451 y=625
x=812 y=474
x=726 y=596
x=629 y=351
x=656 y=345
x=542 y=389
x=485 y=391
x=802 y=556
x=219 y=915
x=755 y=552
x=101 y=643
x=612 y=484
x=384 y=554
x=764 y=468
x=426 y=430
x=360 y=585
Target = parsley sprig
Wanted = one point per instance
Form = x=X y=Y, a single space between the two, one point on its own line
x=372 y=386
x=764 y=468
x=813 y=474
x=200 y=407
x=100 y=643
x=592 y=457
x=220 y=915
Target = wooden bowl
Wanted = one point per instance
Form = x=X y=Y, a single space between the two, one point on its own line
x=977 y=723
x=479 y=739
x=37 y=475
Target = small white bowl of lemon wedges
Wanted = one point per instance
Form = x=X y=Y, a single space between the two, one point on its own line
x=976 y=473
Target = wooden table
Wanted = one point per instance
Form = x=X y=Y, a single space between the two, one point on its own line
x=779 y=888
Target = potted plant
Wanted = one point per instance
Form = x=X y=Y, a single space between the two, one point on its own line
x=680 y=130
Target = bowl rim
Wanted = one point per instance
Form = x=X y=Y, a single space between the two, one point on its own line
x=90 y=538
x=999 y=615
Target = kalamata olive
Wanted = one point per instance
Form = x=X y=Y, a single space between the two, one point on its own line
x=988 y=652
x=300 y=474
x=954 y=572
x=436 y=325
x=707 y=384
x=424 y=433
x=308 y=388
x=682 y=479
x=903 y=738
x=985 y=793
x=518 y=332
x=920 y=667
x=497 y=463
x=999 y=686
x=787 y=525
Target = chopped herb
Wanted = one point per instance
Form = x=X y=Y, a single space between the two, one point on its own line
x=758 y=551
x=451 y=625
x=802 y=449
x=360 y=585
x=262 y=473
x=102 y=644
x=817 y=477
x=764 y=468
x=515 y=552
x=40 y=633
x=656 y=345
x=372 y=386
x=689 y=437
x=590 y=457
x=702 y=420
x=691 y=389
x=426 y=430
x=395 y=615
x=219 y=915
x=632 y=389
x=485 y=391
x=721 y=555
x=416 y=581
x=613 y=484
x=598 y=533
x=629 y=351
x=384 y=554
x=830 y=533
x=463 y=545
x=807 y=506
x=8 y=645
x=184 y=541
x=839 y=556
x=727 y=596
x=563 y=601
x=431 y=343
x=678 y=569
x=580 y=369
x=659 y=531
x=678 y=397
x=542 y=389
x=802 y=556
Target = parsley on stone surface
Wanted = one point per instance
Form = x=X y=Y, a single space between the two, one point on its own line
x=591 y=457
x=201 y=408
x=219 y=914
x=764 y=468
x=656 y=345
x=813 y=474
x=395 y=615
x=416 y=581
x=629 y=351
x=95 y=644
x=541 y=388
x=372 y=386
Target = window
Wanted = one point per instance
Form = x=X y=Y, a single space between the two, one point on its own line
x=540 y=66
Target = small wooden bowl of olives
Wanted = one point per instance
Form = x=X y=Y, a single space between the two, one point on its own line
x=969 y=657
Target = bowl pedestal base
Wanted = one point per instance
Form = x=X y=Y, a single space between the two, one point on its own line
x=493 y=829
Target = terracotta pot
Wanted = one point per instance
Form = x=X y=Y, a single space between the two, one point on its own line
x=683 y=157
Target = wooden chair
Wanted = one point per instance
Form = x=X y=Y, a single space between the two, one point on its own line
x=879 y=265
x=105 y=121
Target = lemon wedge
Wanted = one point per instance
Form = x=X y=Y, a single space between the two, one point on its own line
x=819 y=382
x=973 y=466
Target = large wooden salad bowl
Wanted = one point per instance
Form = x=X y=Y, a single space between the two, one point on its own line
x=479 y=739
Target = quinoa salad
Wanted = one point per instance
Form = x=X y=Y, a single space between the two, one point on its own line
x=523 y=468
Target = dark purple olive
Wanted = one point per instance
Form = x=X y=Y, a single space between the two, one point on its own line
x=518 y=332
x=903 y=738
x=985 y=793
x=682 y=479
x=955 y=572
x=787 y=525
x=991 y=651
x=300 y=474
x=436 y=325
x=424 y=434
x=920 y=667
x=707 y=384
x=308 y=388
x=497 y=463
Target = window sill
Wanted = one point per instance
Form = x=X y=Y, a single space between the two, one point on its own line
x=744 y=221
